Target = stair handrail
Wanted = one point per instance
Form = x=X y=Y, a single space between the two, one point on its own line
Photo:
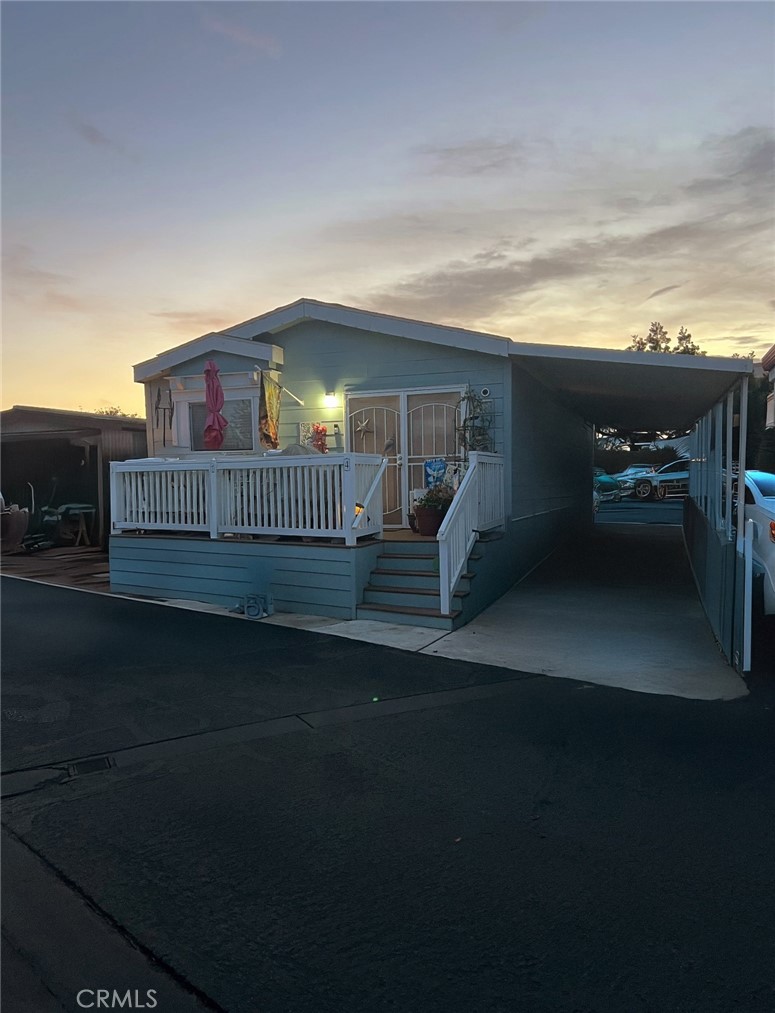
x=457 y=534
x=376 y=484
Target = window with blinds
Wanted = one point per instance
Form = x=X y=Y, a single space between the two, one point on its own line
x=238 y=435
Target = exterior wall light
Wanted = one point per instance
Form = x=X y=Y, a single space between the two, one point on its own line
x=330 y=400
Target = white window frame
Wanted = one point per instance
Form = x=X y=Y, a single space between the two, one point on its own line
x=181 y=422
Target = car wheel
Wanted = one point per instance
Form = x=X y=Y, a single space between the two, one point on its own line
x=643 y=490
x=661 y=491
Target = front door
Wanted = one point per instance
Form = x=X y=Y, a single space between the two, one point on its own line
x=408 y=429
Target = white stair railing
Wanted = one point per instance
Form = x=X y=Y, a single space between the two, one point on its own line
x=478 y=506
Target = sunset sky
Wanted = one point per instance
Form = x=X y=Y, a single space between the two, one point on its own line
x=561 y=172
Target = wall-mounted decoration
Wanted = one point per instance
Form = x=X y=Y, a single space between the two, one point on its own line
x=315 y=435
x=167 y=413
x=363 y=427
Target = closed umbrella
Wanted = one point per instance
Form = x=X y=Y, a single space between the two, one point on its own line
x=215 y=422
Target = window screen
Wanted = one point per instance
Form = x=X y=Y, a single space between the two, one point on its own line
x=238 y=435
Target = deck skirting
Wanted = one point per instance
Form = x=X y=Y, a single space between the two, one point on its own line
x=306 y=577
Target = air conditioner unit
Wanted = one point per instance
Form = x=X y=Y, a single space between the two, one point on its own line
x=257 y=606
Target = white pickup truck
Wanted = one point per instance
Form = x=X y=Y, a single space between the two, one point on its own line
x=760 y=508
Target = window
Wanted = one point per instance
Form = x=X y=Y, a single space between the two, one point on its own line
x=238 y=435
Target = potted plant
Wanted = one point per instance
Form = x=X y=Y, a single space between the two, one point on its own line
x=429 y=511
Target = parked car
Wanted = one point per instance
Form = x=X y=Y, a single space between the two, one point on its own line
x=760 y=508
x=670 y=480
x=606 y=485
x=626 y=478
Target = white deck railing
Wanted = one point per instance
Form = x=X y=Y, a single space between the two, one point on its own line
x=477 y=506
x=316 y=497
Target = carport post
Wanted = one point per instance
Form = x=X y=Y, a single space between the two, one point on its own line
x=728 y=461
x=742 y=441
x=718 y=440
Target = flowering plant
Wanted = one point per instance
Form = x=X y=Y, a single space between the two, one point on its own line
x=438 y=498
x=318 y=440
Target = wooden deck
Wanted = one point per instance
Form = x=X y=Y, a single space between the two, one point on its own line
x=67 y=567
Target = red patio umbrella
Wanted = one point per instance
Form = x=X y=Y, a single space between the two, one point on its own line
x=215 y=422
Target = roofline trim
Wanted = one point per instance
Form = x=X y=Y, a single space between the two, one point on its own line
x=612 y=356
x=215 y=341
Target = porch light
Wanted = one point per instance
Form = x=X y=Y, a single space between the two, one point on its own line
x=358 y=509
x=330 y=400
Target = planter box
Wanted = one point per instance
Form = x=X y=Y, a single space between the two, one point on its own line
x=428 y=520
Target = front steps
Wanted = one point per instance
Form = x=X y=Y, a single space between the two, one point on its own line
x=404 y=587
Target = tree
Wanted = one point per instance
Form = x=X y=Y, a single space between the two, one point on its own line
x=657 y=340
x=684 y=344
x=115 y=412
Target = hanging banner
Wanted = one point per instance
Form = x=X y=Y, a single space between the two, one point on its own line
x=269 y=413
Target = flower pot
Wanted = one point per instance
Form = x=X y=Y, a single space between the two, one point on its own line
x=428 y=520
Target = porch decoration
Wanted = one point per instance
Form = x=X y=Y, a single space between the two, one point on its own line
x=430 y=510
x=474 y=429
x=363 y=428
x=215 y=423
x=319 y=434
x=167 y=413
x=269 y=413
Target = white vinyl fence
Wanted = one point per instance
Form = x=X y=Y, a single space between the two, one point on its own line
x=337 y=496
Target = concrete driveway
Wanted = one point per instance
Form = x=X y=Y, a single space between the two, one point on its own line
x=621 y=610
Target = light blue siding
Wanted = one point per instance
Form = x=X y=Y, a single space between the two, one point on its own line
x=321 y=357
x=302 y=577
x=227 y=362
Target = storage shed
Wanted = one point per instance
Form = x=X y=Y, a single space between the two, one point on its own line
x=61 y=457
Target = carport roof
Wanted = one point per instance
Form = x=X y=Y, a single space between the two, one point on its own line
x=632 y=390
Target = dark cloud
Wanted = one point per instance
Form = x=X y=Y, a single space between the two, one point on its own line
x=36 y=287
x=732 y=339
x=477 y=157
x=260 y=42
x=744 y=164
x=488 y=281
x=62 y=301
x=189 y=320
x=19 y=267
x=661 y=291
x=481 y=284
x=631 y=203
x=94 y=136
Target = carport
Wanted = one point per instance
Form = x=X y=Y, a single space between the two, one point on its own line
x=656 y=608
x=651 y=391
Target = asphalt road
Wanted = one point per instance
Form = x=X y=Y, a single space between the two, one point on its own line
x=459 y=843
